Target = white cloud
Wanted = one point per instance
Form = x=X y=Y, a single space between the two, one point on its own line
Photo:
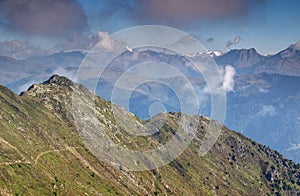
x=262 y=90
x=267 y=110
x=109 y=43
x=227 y=83
x=106 y=43
x=102 y=34
x=235 y=41
x=80 y=41
x=228 y=78
x=19 y=49
x=294 y=147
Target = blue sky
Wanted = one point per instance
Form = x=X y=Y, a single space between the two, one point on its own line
x=267 y=25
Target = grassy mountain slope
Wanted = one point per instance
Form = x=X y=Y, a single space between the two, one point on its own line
x=42 y=154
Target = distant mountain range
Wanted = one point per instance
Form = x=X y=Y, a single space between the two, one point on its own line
x=248 y=61
x=42 y=152
x=263 y=104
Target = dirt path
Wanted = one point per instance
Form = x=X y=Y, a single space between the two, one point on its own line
x=67 y=148
x=3 y=141
x=82 y=159
x=15 y=162
x=71 y=149
x=43 y=153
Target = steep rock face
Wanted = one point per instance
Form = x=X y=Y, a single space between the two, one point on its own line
x=42 y=153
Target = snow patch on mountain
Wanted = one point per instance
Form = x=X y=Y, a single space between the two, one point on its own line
x=212 y=54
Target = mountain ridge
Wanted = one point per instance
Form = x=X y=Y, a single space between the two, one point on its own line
x=249 y=61
x=259 y=80
x=40 y=143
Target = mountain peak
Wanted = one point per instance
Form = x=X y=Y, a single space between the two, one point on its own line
x=292 y=51
x=296 y=46
x=53 y=81
x=60 y=80
x=245 y=50
x=240 y=58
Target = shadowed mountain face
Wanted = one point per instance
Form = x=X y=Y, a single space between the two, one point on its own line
x=42 y=153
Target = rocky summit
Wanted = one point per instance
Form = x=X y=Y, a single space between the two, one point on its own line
x=42 y=153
